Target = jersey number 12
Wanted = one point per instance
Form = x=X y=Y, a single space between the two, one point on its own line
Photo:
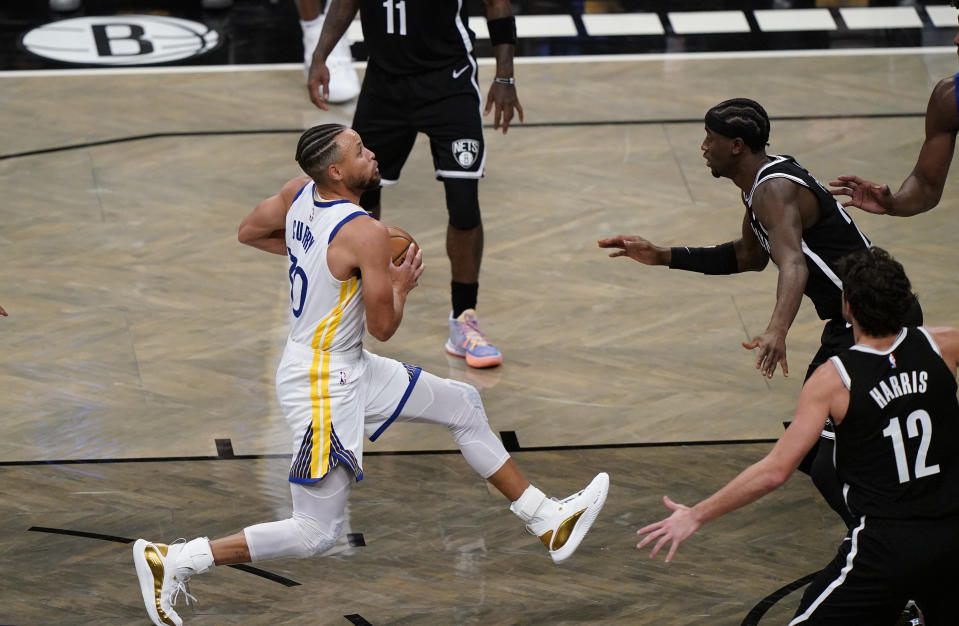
x=400 y=9
x=917 y=422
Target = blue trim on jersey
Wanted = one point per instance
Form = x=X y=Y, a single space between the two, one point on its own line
x=346 y=219
x=328 y=203
x=414 y=376
x=955 y=89
x=298 y=193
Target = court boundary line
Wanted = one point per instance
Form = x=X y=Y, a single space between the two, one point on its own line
x=249 y=457
x=556 y=124
x=489 y=61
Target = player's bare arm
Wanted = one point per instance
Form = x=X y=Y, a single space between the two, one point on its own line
x=817 y=400
x=750 y=254
x=339 y=15
x=502 y=98
x=636 y=248
x=363 y=245
x=947 y=339
x=265 y=226
x=776 y=205
x=922 y=189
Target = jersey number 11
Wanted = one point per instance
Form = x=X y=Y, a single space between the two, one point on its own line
x=400 y=8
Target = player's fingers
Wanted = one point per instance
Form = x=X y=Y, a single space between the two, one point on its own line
x=785 y=366
x=519 y=110
x=659 y=545
x=750 y=345
x=613 y=255
x=672 y=550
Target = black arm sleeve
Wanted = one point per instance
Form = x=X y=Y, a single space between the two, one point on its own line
x=719 y=259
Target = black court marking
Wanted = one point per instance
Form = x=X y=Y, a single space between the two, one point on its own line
x=585 y=123
x=224 y=448
x=510 y=442
x=752 y=618
x=246 y=457
x=355 y=540
x=79 y=533
x=357 y=619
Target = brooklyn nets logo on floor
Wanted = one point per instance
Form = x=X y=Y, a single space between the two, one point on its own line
x=121 y=40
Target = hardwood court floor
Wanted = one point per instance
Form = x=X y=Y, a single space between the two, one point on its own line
x=139 y=328
x=440 y=548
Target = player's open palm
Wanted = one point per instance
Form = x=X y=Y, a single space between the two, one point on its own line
x=862 y=193
x=772 y=352
x=673 y=530
x=636 y=248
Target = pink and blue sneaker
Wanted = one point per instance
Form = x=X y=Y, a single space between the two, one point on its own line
x=468 y=341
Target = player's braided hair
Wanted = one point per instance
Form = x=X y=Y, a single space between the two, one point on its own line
x=877 y=290
x=743 y=118
x=317 y=149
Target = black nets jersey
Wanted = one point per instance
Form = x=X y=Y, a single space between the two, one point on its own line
x=897 y=449
x=416 y=36
x=833 y=236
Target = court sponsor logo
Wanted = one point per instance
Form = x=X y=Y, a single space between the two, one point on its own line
x=465 y=152
x=121 y=40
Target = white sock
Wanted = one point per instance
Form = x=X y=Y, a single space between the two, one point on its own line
x=316 y=22
x=196 y=557
x=529 y=504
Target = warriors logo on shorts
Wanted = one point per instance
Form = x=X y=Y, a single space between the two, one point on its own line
x=465 y=152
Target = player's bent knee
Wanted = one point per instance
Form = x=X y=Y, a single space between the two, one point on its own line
x=313 y=539
x=462 y=202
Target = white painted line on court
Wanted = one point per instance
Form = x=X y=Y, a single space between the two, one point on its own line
x=355 y=31
x=559 y=60
x=545 y=26
x=479 y=27
x=859 y=18
x=605 y=24
x=698 y=22
x=942 y=16
x=785 y=20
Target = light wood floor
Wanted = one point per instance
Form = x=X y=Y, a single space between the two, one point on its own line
x=140 y=328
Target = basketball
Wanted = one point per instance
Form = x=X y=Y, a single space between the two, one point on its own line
x=400 y=241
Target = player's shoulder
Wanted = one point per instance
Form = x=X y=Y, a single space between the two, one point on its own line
x=943 y=109
x=293 y=187
x=946 y=338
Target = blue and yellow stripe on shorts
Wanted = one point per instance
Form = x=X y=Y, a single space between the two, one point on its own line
x=320 y=450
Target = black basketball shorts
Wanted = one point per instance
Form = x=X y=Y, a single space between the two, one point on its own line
x=444 y=104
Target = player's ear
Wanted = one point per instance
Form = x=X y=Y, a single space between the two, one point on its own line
x=334 y=172
x=738 y=145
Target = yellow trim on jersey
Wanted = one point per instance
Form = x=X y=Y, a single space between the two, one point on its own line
x=320 y=377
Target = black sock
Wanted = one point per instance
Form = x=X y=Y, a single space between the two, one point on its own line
x=464 y=296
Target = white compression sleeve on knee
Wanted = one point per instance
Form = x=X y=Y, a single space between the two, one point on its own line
x=458 y=406
x=315 y=525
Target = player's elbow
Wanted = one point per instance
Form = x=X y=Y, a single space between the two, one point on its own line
x=245 y=235
x=381 y=329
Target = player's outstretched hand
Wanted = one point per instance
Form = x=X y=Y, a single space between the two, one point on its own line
x=772 y=352
x=636 y=248
x=504 y=99
x=862 y=193
x=2 y=312
x=674 y=530
x=318 y=83
x=406 y=276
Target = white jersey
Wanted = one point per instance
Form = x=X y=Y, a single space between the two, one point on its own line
x=325 y=313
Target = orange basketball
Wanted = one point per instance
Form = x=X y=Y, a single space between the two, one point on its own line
x=400 y=241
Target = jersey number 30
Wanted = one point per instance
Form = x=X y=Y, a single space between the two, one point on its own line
x=297 y=275
x=917 y=422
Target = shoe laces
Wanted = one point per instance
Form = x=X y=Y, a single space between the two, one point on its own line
x=472 y=335
x=184 y=587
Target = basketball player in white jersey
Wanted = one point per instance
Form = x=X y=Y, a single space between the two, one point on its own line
x=333 y=392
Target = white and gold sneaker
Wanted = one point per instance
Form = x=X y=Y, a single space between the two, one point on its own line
x=165 y=571
x=562 y=524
